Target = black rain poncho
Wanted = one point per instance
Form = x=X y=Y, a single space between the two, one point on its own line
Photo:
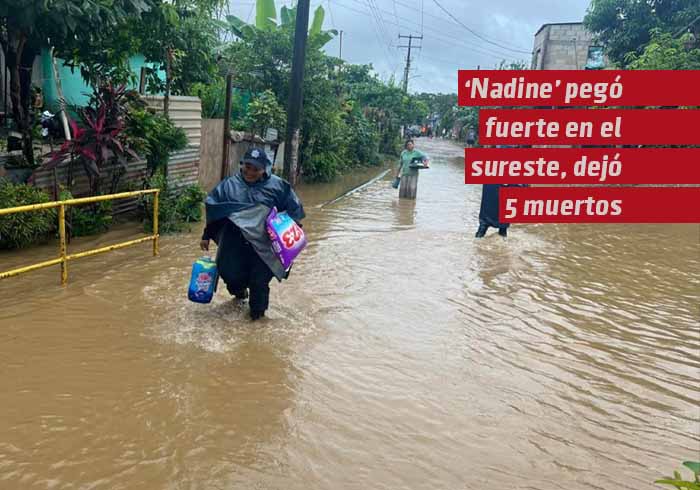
x=247 y=206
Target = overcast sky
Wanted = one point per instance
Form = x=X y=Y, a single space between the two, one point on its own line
x=371 y=29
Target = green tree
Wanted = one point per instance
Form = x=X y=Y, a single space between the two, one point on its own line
x=265 y=112
x=266 y=20
x=665 y=52
x=184 y=36
x=625 y=26
x=349 y=114
x=27 y=26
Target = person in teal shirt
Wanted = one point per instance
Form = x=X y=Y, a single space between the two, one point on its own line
x=407 y=176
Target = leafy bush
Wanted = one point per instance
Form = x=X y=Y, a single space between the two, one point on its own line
x=323 y=166
x=213 y=97
x=157 y=137
x=89 y=219
x=176 y=206
x=265 y=112
x=189 y=203
x=20 y=230
x=364 y=139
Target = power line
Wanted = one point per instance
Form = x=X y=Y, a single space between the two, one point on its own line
x=331 y=14
x=446 y=40
x=383 y=30
x=441 y=18
x=377 y=32
x=420 y=53
x=422 y=10
x=250 y=13
x=476 y=33
x=396 y=17
x=381 y=23
x=452 y=40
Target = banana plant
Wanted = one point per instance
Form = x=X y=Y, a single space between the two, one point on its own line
x=266 y=20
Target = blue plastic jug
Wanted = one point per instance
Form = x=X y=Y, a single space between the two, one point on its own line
x=203 y=280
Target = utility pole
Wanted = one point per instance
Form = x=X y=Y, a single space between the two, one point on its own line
x=291 y=147
x=341 y=45
x=225 y=157
x=410 y=46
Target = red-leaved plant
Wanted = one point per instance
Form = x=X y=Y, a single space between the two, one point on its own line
x=99 y=139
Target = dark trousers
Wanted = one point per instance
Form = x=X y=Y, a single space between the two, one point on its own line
x=241 y=267
x=483 y=227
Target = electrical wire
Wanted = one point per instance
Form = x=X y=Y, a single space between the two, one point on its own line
x=440 y=38
x=330 y=12
x=451 y=21
x=476 y=33
x=469 y=44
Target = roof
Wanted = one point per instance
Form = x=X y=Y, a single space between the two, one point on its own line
x=557 y=24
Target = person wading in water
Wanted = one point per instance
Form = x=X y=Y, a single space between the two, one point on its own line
x=236 y=212
x=405 y=174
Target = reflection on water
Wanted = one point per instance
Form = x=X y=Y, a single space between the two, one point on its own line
x=401 y=353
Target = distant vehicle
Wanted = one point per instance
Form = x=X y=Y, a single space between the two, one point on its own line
x=413 y=131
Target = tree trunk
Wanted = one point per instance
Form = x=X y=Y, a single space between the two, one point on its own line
x=20 y=88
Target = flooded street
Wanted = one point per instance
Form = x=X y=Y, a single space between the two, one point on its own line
x=401 y=354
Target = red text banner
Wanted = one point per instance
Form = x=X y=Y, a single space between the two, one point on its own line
x=508 y=88
x=588 y=127
x=599 y=205
x=582 y=165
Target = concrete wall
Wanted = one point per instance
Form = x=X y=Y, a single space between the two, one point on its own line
x=561 y=47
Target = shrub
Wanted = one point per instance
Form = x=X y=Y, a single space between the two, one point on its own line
x=89 y=219
x=157 y=137
x=20 y=230
x=265 y=112
x=364 y=139
x=189 y=203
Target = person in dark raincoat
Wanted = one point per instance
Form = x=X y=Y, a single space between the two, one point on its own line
x=488 y=213
x=236 y=212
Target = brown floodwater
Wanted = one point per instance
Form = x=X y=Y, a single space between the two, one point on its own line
x=401 y=354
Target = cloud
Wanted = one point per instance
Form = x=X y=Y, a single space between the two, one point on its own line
x=371 y=29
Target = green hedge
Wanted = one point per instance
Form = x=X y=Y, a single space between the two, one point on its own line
x=19 y=230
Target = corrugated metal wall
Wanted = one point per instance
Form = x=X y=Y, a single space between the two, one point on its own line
x=185 y=113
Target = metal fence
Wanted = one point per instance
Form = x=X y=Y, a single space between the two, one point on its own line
x=64 y=257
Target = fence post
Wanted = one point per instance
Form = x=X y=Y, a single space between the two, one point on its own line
x=62 y=239
x=155 y=223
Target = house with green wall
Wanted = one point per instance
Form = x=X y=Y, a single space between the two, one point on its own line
x=75 y=90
